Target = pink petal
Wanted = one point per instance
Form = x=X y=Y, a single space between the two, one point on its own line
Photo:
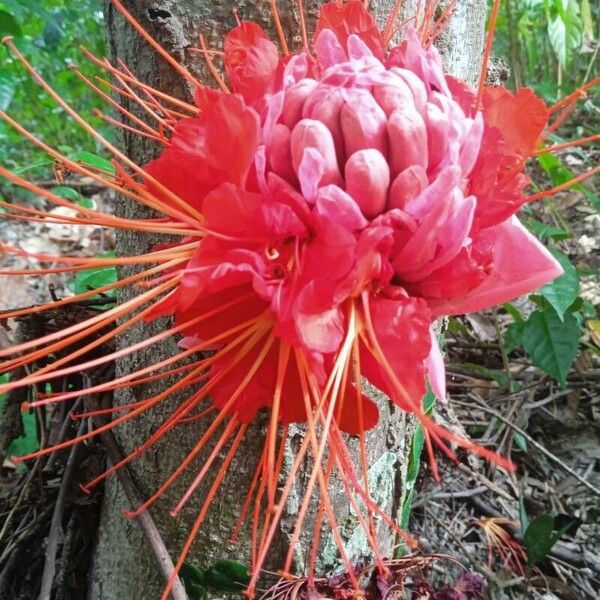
x=328 y=50
x=357 y=49
x=338 y=206
x=471 y=145
x=434 y=194
x=279 y=153
x=325 y=105
x=520 y=265
x=390 y=97
x=436 y=369
x=438 y=126
x=439 y=238
x=416 y=85
x=295 y=97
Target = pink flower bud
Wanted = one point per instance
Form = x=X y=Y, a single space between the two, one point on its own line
x=407 y=185
x=295 y=96
x=325 y=105
x=408 y=140
x=279 y=153
x=310 y=133
x=392 y=97
x=363 y=123
x=367 y=181
x=438 y=127
x=416 y=85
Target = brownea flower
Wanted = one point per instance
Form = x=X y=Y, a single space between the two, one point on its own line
x=332 y=203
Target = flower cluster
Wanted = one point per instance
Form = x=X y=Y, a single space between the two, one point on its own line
x=354 y=173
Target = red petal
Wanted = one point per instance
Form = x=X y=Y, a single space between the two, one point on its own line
x=251 y=60
x=200 y=157
x=402 y=328
x=348 y=417
x=346 y=19
x=520 y=265
x=520 y=117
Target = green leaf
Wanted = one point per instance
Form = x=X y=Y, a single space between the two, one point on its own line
x=564 y=30
x=513 y=311
x=497 y=375
x=68 y=193
x=539 y=537
x=551 y=343
x=227 y=576
x=513 y=336
x=414 y=459
x=563 y=291
x=27 y=443
x=95 y=161
x=543 y=230
x=555 y=169
x=7 y=88
x=193 y=581
x=8 y=24
x=520 y=440
x=588 y=21
x=91 y=279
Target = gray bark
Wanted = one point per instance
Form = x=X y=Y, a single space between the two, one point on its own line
x=123 y=565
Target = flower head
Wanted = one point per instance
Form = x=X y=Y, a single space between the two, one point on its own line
x=331 y=205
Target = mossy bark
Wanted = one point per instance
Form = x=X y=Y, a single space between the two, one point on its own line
x=123 y=565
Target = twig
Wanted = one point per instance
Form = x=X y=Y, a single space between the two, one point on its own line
x=62 y=434
x=503 y=352
x=464 y=493
x=56 y=532
x=536 y=444
x=485 y=481
x=547 y=400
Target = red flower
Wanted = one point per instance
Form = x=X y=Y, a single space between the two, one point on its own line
x=364 y=177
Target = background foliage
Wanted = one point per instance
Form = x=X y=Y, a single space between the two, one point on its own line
x=49 y=32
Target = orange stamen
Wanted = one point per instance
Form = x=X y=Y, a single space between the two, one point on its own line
x=211 y=65
x=94 y=134
x=231 y=426
x=564 y=186
x=152 y=42
x=282 y=364
x=201 y=516
x=85 y=295
x=576 y=95
x=223 y=413
x=388 y=31
x=305 y=42
x=115 y=123
x=106 y=66
x=557 y=147
x=143 y=198
x=114 y=103
x=487 y=53
x=279 y=28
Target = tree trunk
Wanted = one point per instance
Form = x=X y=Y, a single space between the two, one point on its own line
x=123 y=566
